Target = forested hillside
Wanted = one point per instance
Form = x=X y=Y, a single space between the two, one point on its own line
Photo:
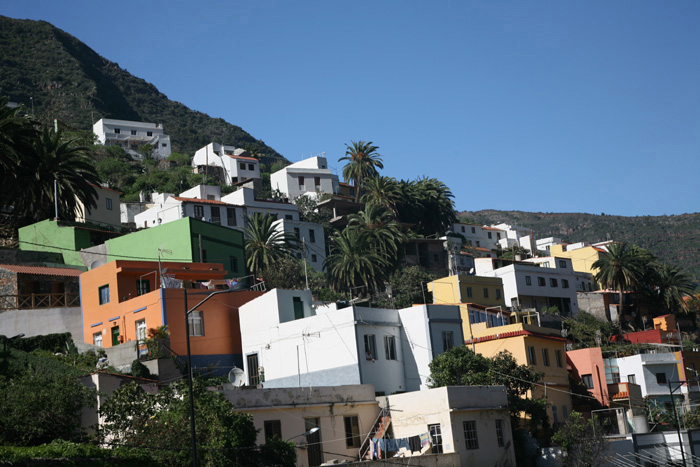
x=674 y=239
x=67 y=80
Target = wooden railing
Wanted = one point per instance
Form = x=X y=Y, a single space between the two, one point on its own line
x=38 y=300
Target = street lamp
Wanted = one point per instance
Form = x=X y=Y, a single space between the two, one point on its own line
x=306 y=433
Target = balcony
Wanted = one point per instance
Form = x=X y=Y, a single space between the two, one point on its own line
x=32 y=301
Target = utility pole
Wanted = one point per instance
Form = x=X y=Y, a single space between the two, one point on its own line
x=303 y=246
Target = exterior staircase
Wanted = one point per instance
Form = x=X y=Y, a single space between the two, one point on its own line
x=379 y=430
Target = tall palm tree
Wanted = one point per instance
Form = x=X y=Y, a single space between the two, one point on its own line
x=427 y=204
x=380 y=229
x=363 y=161
x=352 y=265
x=60 y=159
x=673 y=285
x=382 y=191
x=265 y=245
x=621 y=269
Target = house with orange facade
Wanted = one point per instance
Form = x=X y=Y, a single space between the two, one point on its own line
x=122 y=300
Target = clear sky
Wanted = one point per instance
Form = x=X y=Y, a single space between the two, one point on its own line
x=551 y=106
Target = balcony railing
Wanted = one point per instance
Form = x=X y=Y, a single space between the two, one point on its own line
x=37 y=300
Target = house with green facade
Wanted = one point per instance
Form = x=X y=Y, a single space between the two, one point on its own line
x=184 y=240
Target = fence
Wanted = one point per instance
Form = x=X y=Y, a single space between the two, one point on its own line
x=38 y=300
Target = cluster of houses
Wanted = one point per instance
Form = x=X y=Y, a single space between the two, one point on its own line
x=359 y=374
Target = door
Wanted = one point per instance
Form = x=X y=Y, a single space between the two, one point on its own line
x=115 y=335
x=313 y=442
x=253 y=375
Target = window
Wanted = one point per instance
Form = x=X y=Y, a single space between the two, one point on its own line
x=149 y=133
x=117 y=131
x=143 y=286
x=462 y=228
x=242 y=165
x=370 y=347
x=545 y=357
x=141 y=330
x=489 y=234
x=473 y=229
x=661 y=378
x=587 y=380
x=289 y=217
x=198 y=211
x=273 y=429
x=486 y=292
x=312 y=235
x=435 y=438
x=478 y=243
x=314 y=258
x=196 y=323
x=564 y=284
x=498 y=235
x=541 y=282
x=97 y=339
x=562 y=263
x=104 y=294
x=470 y=438
x=216 y=214
x=253 y=370
x=317 y=182
x=531 y=356
x=553 y=282
x=528 y=280
x=133 y=132
x=469 y=292
x=164 y=145
x=390 y=347
x=251 y=167
x=109 y=204
x=555 y=416
x=632 y=379
x=436 y=258
x=298 y=307
x=352 y=432
x=447 y=340
x=301 y=182
x=233 y=263
x=499 y=433
x=564 y=412
x=557 y=356
x=231 y=217
x=498 y=294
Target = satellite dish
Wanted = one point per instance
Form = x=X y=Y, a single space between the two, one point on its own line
x=236 y=377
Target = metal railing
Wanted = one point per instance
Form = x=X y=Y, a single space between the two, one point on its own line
x=37 y=300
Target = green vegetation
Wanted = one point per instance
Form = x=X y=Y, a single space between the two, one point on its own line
x=584 y=445
x=363 y=161
x=264 y=245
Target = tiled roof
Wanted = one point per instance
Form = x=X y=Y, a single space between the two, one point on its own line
x=243 y=158
x=40 y=270
x=491 y=228
x=203 y=201
x=505 y=335
x=621 y=395
x=105 y=188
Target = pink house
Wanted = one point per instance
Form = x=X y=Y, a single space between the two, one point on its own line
x=587 y=366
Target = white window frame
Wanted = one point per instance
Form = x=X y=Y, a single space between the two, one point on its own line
x=196 y=320
x=141 y=330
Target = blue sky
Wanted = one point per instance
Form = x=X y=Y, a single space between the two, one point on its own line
x=546 y=106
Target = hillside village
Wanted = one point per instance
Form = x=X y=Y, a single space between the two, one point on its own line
x=353 y=315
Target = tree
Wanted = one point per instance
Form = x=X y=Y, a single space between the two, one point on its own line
x=584 y=445
x=379 y=228
x=621 y=269
x=363 y=161
x=264 y=244
x=55 y=158
x=427 y=204
x=288 y=273
x=160 y=422
x=407 y=288
x=382 y=191
x=352 y=265
x=673 y=286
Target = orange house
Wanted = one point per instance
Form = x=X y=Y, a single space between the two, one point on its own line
x=121 y=300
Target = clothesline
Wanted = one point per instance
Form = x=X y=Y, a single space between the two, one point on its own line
x=380 y=447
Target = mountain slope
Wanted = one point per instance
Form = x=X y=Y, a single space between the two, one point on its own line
x=674 y=239
x=71 y=82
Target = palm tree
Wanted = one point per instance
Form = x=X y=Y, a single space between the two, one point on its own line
x=673 y=285
x=621 y=269
x=265 y=245
x=352 y=265
x=382 y=191
x=17 y=133
x=363 y=161
x=380 y=229
x=59 y=159
x=427 y=204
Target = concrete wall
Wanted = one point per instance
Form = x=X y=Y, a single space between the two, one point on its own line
x=106 y=211
x=43 y=321
x=450 y=407
x=315 y=252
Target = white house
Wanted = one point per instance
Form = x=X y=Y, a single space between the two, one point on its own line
x=312 y=240
x=132 y=135
x=472 y=421
x=651 y=371
x=236 y=163
x=537 y=283
x=307 y=177
x=107 y=210
x=477 y=237
x=290 y=342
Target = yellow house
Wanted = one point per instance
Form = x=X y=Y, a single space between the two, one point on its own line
x=582 y=258
x=463 y=288
x=543 y=349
